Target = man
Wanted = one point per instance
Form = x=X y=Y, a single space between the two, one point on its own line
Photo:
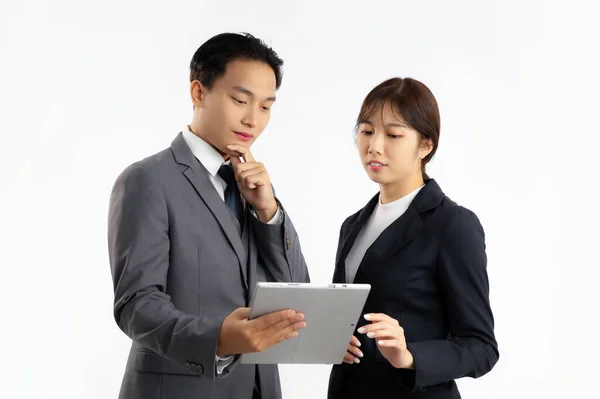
x=193 y=228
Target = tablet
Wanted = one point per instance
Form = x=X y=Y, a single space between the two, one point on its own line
x=331 y=312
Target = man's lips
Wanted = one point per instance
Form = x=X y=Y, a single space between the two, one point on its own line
x=244 y=136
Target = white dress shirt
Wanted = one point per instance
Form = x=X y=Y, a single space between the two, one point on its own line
x=212 y=162
x=383 y=215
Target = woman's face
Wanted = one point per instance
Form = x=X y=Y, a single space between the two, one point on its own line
x=389 y=149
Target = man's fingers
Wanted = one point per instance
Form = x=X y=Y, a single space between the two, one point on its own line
x=241 y=313
x=284 y=326
x=241 y=151
x=253 y=178
x=293 y=324
x=275 y=334
x=247 y=166
x=269 y=319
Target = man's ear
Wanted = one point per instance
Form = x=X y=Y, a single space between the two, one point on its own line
x=197 y=93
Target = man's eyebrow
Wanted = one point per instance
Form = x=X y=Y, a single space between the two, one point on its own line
x=250 y=94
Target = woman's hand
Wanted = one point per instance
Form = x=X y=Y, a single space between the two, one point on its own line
x=353 y=353
x=390 y=339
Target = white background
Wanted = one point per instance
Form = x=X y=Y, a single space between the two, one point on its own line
x=86 y=88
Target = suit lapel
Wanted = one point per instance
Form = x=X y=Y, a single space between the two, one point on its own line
x=398 y=234
x=252 y=268
x=394 y=237
x=197 y=175
x=349 y=237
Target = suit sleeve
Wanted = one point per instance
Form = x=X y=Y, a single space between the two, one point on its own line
x=138 y=244
x=279 y=250
x=471 y=349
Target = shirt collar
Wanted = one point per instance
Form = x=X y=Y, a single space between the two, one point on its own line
x=400 y=204
x=204 y=152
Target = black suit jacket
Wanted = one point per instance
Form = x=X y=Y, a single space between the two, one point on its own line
x=428 y=271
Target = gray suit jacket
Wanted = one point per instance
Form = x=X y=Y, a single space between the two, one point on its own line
x=180 y=266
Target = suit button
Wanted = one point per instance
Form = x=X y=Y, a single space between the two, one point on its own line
x=199 y=368
x=188 y=365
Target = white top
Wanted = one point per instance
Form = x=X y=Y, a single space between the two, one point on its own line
x=383 y=215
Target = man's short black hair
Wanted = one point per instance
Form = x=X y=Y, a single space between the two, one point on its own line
x=211 y=58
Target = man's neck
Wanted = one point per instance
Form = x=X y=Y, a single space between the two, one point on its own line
x=196 y=131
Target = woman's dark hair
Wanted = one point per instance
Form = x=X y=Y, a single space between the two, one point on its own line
x=412 y=102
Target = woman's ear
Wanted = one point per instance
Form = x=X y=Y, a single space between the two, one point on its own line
x=425 y=147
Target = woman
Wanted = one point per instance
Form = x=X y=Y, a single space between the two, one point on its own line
x=427 y=320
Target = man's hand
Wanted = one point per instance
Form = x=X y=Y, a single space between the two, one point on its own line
x=239 y=335
x=253 y=182
x=390 y=339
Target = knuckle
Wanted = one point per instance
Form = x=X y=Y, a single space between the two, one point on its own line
x=256 y=345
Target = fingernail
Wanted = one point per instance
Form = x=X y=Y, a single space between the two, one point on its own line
x=361 y=330
x=358 y=343
x=360 y=354
x=381 y=342
x=367 y=317
x=291 y=313
x=356 y=361
x=370 y=335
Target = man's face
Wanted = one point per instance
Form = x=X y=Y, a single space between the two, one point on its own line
x=237 y=108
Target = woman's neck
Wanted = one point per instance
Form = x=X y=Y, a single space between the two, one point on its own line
x=394 y=191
